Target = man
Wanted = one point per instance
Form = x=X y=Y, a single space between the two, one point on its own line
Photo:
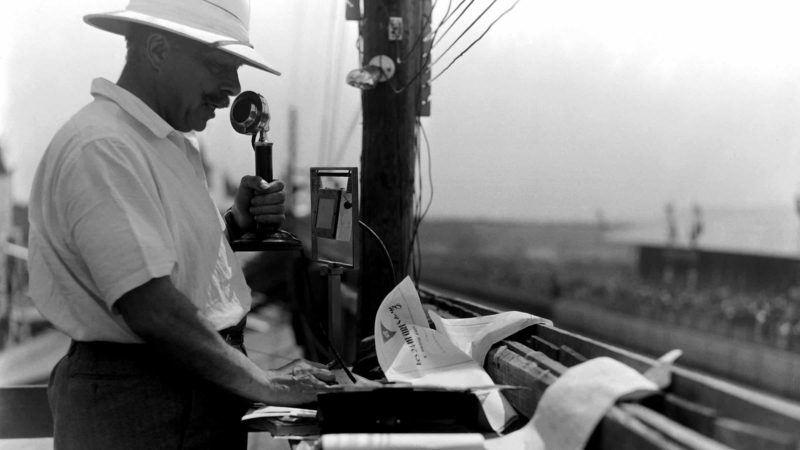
x=128 y=254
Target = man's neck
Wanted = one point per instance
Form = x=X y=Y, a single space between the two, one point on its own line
x=141 y=88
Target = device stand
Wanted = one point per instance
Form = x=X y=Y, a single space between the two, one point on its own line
x=332 y=219
x=335 y=324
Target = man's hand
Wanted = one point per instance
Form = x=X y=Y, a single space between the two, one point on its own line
x=300 y=381
x=259 y=202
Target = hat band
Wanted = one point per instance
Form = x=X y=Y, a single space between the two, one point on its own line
x=231 y=42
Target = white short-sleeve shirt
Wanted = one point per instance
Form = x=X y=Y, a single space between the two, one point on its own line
x=119 y=198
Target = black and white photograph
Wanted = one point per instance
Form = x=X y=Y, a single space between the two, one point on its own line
x=399 y=224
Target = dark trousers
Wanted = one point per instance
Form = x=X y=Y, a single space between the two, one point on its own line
x=122 y=396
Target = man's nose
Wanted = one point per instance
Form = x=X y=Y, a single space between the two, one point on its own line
x=230 y=84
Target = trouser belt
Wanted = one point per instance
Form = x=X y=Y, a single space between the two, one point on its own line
x=233 y=335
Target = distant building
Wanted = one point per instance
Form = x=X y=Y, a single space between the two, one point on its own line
x=739 y=271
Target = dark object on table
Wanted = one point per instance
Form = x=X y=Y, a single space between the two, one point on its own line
x=400 y=409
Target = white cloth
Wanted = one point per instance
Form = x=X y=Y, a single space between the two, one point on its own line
x=573 y=405
x=120 y=198
x=571 y=408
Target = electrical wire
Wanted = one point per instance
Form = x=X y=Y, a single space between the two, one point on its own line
x=416 y=260
x=383 y=247
x=475 y=41
x=424 y=24
x=415 y=254
x=440 y=37
x=424 y=64
x=469 y=27
x=415 y=241
x=421 y=36
x=413 y=248
x=430 y=170
x=425 y=58
x=448 y=14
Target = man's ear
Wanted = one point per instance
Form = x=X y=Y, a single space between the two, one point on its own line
x=157 y=47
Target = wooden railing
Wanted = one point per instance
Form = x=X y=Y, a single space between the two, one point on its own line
x=25 y=412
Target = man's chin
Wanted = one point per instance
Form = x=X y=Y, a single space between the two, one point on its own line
x=199 y=125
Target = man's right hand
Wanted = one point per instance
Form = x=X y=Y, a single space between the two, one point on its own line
x=259 y=201
x=299 y=382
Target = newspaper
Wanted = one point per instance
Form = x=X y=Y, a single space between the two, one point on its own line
x=451 y=355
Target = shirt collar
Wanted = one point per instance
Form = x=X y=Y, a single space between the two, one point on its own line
x=134 y=106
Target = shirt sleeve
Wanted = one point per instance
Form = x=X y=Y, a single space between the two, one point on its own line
x=116 y=221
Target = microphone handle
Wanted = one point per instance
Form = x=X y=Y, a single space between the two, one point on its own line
x=263 y=152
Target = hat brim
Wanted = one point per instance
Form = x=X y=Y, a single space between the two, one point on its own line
x=117 y=23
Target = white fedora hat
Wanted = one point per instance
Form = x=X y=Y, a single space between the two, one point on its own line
x=224 y=24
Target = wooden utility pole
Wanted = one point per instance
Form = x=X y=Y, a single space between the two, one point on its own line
x=388 y=150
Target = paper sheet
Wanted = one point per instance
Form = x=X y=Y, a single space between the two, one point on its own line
x=280 y=411
x=476 y=335
x=450 y=356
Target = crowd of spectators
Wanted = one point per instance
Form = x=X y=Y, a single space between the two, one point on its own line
x=771 y=318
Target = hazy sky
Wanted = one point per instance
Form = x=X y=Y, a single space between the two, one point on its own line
x=564 y=108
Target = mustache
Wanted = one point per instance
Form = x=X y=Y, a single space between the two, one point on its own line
x=220 y=102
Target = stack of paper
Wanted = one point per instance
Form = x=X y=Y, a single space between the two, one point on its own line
x=451 y=355
x=282 y=421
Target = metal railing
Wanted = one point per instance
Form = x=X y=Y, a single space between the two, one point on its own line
x=24 y=411
x=695 y=411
